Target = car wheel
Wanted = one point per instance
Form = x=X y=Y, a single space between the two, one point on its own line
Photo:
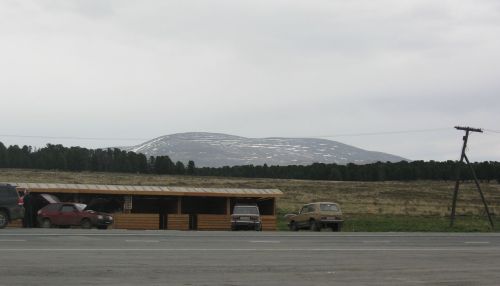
x=86 y=223
x=46 y=223
x=294 y=226
x=4 y=219
x=314 y=226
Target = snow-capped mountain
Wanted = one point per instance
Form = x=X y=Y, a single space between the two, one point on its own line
x=217 y=150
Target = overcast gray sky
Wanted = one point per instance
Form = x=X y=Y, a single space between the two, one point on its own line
x=322 y=68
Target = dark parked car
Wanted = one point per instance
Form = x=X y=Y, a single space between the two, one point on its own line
x=72 y=214
x=11 y=205
x=246 y=216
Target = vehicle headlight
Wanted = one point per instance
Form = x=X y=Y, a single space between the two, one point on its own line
x=100 y=217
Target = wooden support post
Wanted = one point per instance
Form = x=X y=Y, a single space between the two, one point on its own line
x=127 y=204
x=457 y=178
x=228 y=206
x=480 y=191
x=457 y=174
x=274 y=206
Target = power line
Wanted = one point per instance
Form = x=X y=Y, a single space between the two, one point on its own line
x=396 y=132
x=383 y=133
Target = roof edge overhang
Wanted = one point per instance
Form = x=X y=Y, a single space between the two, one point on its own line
x=147 y=190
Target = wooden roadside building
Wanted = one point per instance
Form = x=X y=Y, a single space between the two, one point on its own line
x=162 y=207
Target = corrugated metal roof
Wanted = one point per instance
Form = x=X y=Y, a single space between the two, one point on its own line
x=147 y=190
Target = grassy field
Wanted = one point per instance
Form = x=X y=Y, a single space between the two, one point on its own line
x=368 y=206
x=395 y=223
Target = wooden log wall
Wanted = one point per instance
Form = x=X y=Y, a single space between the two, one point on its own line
x=136 y=221
x=214 y=222
x=178 y=221
x=18 y=223
x=268 y=222
x=175 y=222
x=223 y=222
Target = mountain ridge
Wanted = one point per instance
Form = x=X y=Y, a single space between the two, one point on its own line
x=219 y=149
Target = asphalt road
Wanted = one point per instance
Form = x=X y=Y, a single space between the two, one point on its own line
x=117 y=257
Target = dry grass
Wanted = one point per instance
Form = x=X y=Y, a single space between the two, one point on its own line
x=383 y=198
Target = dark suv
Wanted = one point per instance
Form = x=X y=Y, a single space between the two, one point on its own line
x=11 y=206
x=246 y=216
x=316 y=216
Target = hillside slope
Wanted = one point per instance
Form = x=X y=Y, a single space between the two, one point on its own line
x=217 y=150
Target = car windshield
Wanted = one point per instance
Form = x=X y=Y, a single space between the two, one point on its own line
x=80 y=207
x=246 y=210
x=329 y=207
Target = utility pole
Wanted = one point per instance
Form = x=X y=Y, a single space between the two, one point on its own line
x=457 y=175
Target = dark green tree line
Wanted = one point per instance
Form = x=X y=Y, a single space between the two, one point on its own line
x=58 y=157
x=400 y=171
